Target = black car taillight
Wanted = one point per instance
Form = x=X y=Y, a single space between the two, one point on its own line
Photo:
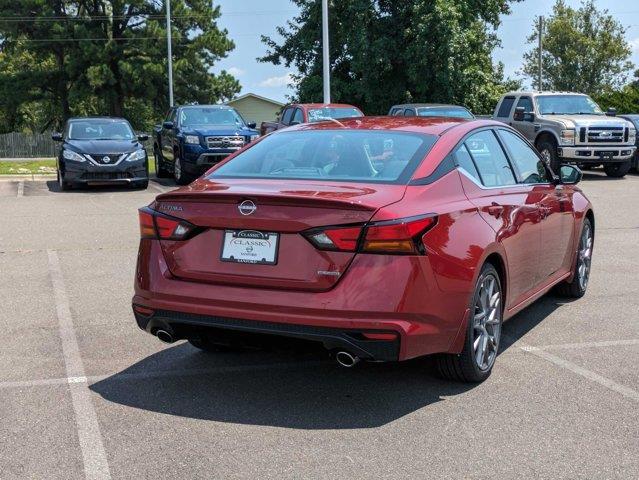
x=401 y=236
x=157 y=225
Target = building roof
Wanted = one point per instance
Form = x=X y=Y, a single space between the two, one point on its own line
x=254 y=95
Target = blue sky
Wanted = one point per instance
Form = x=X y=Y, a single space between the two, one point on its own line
x=246 y=20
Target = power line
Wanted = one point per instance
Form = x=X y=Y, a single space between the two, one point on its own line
x=149 y=16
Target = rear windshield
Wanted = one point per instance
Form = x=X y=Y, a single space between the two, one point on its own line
x=445 y=112
x=340 y=155
x=319 y=114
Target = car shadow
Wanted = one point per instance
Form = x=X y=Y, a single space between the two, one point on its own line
x=54 y=187
x=289 y=391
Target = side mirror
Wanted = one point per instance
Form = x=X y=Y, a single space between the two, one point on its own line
x=529 y=117
x=56 y=137
x=167 y=125
x=143 y=137
x=251 y=124
x=570 y=175
x=612 y=112
x=519 y=114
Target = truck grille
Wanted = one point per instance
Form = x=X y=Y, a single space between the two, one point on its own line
x=235 y=141
x=606 y=135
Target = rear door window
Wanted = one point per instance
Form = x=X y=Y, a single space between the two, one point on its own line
x=490 y=159
x=505 y=107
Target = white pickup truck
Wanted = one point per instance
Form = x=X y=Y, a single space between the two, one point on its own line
x=570 y=128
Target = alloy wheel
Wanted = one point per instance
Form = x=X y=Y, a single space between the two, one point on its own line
x=487 y=322
x=584 y=256
x=547 y=157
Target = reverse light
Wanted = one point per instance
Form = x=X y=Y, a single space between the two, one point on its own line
x=341 y=239
x=164 y=227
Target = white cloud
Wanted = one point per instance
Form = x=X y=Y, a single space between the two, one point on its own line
x=236 y=72
x=634 y=44
x=275 y=82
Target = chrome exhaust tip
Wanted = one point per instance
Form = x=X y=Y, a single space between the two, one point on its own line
x=346 y=360
x=164 y=336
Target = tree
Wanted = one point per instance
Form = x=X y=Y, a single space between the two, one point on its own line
x=625 y=100
x=392 y=51
x=109 y=57
x=584 y=50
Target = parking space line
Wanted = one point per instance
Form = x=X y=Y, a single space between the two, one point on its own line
x=595 y=377
x=20 y=192
x=605 y=343
x=93 y=453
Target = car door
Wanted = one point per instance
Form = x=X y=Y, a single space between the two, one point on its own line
x=168 y=135
x=555 y=204
x=526 y=126
x=509 y=207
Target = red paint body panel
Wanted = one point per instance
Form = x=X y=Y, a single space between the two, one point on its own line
x=424 y=298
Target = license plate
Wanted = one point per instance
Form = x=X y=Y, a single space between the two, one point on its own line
x=606 y=154
x=250 y=246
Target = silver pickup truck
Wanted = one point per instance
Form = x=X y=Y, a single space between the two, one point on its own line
x=570 y=128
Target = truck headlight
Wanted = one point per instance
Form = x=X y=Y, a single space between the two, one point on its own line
x=252 y=138
x=71 y=155
x=632 y=136
x=567 y=136
x=135 y=156
x=192 y=139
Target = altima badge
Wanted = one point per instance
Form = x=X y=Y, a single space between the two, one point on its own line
x=247 y=207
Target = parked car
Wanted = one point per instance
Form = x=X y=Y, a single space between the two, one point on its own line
x=297 y=113
x=570 y=128
x=193 y=138
x=306 y=235
x=430 y=110
x=100 y=150
x=634 y=118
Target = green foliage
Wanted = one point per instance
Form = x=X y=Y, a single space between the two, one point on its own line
x=584 y=50
x=393 y=51
x=625 y=99
x=63 y=58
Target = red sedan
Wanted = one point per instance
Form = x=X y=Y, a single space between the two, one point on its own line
x=380 y=239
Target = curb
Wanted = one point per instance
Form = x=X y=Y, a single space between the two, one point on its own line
x=32 y=177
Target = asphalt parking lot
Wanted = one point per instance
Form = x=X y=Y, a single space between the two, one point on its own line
x=84 y=393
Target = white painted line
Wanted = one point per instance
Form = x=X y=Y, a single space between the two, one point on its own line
x=20 y=189
x=156 y=187
x=93 y=453
x=595 y=377
x=605 y=343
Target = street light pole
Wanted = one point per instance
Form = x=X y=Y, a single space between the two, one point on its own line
x=169 y=50
x=325 y=59
x=541 y=34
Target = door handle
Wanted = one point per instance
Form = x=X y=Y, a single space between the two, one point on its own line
x=495 y=210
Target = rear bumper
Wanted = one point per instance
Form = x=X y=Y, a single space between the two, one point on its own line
x=598 y=154
x=425 y=317
x=185 y=325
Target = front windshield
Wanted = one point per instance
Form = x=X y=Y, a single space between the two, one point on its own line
x=567 y=105
x=190 y=117
x=335 y=155
x=445 y=112
x=100 y=130
x=320 y=114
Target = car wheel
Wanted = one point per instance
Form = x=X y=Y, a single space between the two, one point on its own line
x=548 y=152
x=617 y=170
x=581 y=271
x=483 y=333
x=206 y=345
x=62 y=183
x=180 y=176
x=160 y=169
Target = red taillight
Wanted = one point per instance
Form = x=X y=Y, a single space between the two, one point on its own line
x=157 y=225
x=400 y=236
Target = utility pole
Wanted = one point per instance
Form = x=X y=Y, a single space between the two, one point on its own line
x=540 y=35
x=325 y=59
x=169 y=50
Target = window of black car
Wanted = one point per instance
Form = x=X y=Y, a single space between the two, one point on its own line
x=336 y=155
x=527 y=163
x=525 y=102
x=490 y=159
x=286 y=115
x=465 y=161
x=505 y=107
x=194 y=116
x=410 y=112
x=445 y=112
x=100 y=130
x=298 y=117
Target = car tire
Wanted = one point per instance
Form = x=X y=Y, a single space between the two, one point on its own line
x=206 y=345
x=62 y=183
x=483 y=333
x=160 y=170
x=617 y=170
x=179 y=175
x=548 y=151
x=576 y=288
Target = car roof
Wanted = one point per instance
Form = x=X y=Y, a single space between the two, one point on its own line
x=424 y=125
x=544 y=93
x=221 y=107
x=428 y=105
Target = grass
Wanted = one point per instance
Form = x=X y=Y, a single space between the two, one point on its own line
x=39 y=166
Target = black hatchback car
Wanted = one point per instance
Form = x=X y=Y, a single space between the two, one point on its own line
x=99 y=151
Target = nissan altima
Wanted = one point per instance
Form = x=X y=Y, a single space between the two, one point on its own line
x=380 y=239
x=101 y=150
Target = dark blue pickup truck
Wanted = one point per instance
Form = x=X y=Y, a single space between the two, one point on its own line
x=194 y=138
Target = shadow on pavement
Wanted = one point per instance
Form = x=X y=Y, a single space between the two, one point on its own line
x=54 y=187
